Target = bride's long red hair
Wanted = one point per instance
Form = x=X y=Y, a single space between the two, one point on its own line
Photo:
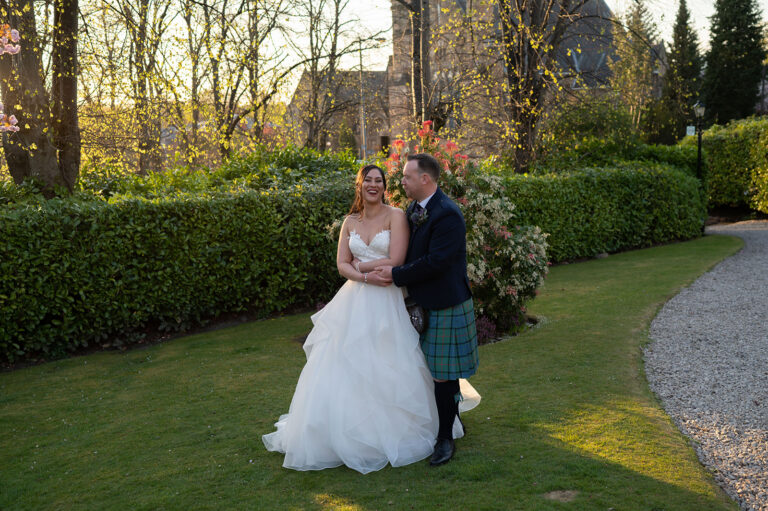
x=359 y=204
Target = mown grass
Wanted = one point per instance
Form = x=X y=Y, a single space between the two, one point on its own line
x=178 y=425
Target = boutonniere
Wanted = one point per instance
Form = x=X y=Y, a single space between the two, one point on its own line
x=419 y=217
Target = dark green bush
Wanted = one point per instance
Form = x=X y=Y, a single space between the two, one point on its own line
x=599 y=122
x=267 y=167
x=593 y=152
x=608 y=210
x=170 y=250
x=736 y=163
x=684 y=158
x=75 y=273
x=261 y=170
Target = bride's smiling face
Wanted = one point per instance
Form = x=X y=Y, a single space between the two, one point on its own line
x=373 y=186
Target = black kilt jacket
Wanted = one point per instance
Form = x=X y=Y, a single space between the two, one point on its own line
x=435 y=269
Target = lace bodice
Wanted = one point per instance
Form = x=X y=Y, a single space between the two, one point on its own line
x=377 y=249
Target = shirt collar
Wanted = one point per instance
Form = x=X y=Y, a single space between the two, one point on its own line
x=424 y=202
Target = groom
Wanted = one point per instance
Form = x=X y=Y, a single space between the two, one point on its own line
x=435 y=272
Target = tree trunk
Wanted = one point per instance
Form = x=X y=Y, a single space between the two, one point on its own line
x=416 y=61
x=28 y=152
x=425 y=72
x=66 y=132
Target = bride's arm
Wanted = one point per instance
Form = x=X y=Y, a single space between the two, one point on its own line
x=398 y=243
x=344 y=256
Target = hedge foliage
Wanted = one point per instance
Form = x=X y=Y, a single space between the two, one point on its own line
x=592 y=153
x=261 y=170
x=76 y=273
x=170 y=250
x=737 y=163
x=607 y=210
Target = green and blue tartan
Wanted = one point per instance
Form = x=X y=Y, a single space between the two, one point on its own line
x=449 y=342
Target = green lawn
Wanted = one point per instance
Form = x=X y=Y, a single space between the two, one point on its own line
x=178 y=425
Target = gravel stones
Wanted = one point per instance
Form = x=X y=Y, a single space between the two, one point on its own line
x=709 y=365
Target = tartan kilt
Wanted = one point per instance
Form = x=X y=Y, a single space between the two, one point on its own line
x=449 y=342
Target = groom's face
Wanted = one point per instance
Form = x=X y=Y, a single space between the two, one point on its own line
x=413 y=180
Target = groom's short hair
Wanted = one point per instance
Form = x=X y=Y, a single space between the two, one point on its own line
x=427 y=163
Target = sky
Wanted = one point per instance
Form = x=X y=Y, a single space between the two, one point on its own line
x=375 y=15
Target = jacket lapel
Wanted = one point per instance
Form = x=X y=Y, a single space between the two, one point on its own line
x=431 y=206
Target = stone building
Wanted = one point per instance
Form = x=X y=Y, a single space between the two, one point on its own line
x=462 y=42
x=337 y=126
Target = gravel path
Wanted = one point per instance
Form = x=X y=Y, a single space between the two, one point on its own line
x=709 y=365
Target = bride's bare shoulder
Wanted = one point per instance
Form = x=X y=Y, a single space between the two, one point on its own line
x=354 y=217
x=397 y=218
x=396 y=212
x=348 y=221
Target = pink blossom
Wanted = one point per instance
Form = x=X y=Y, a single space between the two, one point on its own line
x=531 y=256
x=12 y=119
x=511 y=291
x=463 y=201
x=15 y=35
x=451 y=147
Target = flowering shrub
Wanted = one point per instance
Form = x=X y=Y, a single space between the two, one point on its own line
x=505 y=262
x=8 y=123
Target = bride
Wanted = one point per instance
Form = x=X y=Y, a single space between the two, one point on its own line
x=365 y=396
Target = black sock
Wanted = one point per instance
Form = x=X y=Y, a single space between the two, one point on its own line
x=447 y=406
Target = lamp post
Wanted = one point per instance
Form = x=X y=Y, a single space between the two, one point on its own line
x=698 y=110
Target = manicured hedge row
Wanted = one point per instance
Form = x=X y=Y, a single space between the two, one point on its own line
x=593 y=152
x=75 y=273
x=607 y=210
x=736 y=163
x=263 y=169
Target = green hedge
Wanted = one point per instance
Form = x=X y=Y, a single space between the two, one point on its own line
x=75 y=273
x=736 y=163
x=263 y=169
x=608 y=210
x=594 y=152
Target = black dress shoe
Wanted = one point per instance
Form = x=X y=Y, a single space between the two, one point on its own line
x=443 y=451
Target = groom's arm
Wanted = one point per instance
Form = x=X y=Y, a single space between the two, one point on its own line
x=445 y=246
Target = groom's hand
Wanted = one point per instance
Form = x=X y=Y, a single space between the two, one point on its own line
x=377 y=279
x=384 y=271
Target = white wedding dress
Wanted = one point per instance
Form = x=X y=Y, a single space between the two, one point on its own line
x=365 y=397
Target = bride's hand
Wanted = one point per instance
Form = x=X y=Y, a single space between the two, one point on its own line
x=377 y=279
x=385 y=272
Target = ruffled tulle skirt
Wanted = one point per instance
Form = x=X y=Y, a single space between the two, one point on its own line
x=365 y=397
